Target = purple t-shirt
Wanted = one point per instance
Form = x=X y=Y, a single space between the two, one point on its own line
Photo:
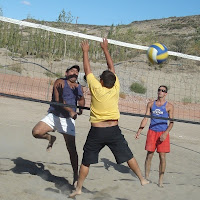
x=70 y=96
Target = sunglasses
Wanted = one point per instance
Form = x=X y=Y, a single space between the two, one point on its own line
x=160 y=90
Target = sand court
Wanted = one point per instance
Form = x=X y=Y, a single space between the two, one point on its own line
x=27 y=171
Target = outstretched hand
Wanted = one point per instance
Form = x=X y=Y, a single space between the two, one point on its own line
x=104 y=44
x=85 y=46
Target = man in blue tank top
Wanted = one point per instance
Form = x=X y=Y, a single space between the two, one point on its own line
x=158 y=133
x=62 y=119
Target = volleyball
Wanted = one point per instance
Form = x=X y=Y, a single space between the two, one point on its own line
x=157 y=53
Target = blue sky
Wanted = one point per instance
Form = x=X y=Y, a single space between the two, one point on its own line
x=100 y=12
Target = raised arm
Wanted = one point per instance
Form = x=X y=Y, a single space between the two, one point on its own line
x=104 y=46
x=144 y=121
x=86 y=62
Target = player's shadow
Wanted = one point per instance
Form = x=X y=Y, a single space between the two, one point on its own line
x=38 y=169
x=118 y=167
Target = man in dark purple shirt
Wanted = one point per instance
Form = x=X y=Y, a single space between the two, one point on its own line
x=62 y=119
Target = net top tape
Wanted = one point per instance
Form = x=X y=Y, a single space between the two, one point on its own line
x=89 y=37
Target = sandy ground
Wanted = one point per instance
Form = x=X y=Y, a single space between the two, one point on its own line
x=27 y=171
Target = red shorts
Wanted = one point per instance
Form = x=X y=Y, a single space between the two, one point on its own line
x=153 y=142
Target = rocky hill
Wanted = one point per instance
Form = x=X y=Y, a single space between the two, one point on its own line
x=39 y=54
x=180 y=34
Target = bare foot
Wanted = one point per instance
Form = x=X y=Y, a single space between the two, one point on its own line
x=160 y=185
x=51 y=141
x=74 y=193
x=144 y=182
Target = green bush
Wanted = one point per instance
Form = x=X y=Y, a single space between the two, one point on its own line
x=138 y=88
x=16 y=68
x=186 y=100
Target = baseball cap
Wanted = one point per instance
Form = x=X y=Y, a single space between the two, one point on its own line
x=74 y=66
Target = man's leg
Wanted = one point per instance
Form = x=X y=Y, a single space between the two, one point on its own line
x=132 y=163
x=71 y=147
x=162 y=167
x=41 y=130
x=148 y=164
x=84 y=170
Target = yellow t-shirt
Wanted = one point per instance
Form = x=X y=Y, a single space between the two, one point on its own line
x=104 y=101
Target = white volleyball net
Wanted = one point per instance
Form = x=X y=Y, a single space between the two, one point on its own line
x=33 y=56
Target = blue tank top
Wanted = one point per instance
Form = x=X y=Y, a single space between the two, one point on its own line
x=159 y=125
x=70 y=96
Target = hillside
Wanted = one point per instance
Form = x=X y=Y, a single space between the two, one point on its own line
x=180 y=34
x=38 y=56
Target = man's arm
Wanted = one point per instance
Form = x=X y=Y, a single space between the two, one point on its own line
x=86 y=63
x=171 y=123
x=144 y=121
x=58 y=90
x=104 y=46
x=72 y=113
x=81 y=102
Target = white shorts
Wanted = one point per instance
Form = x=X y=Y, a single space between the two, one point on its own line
x=62 y=125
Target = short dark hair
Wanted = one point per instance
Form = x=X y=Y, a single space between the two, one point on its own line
x=164 y=87
x=108 y=78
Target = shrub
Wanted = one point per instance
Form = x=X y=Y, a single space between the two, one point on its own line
x=138 y=88
x=16 y=68
x=122 y=95
x=186 y=100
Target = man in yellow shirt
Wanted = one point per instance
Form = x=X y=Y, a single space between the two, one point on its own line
x=104 y=100
x=104 y=115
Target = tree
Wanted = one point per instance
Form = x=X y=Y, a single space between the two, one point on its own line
x=65 y=17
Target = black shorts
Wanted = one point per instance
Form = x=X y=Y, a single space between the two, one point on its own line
x=112 y=137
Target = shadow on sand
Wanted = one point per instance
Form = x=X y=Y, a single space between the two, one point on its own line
x=118 y=167
x=38 y=169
